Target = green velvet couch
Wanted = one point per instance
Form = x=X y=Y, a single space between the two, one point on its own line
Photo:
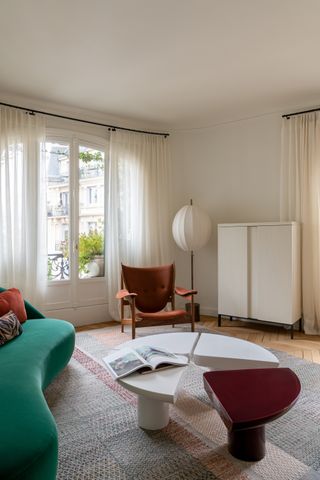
x=28 y=432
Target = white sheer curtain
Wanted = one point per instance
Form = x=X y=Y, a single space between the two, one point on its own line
x=138 y=222
x=22 y=204
x=300 y=201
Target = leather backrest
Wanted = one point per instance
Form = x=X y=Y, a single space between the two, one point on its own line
x=154 y=286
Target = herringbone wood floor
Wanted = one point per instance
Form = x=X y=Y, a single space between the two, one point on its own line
x=302 y=346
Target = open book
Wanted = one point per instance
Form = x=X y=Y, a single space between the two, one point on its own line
x=144 y=359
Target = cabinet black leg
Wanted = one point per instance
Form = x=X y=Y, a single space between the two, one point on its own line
x=300 y=325
x=292 y=332
x=231 y=318
x=219 y=320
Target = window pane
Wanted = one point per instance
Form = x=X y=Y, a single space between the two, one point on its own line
x=58 y=206
x=91 y=212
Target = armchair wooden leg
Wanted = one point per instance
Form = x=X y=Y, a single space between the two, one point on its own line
x=133 y=316
x=122 y=316
x=133 y=329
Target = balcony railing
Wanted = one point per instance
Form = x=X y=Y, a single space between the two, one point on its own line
x=93 y=172
x=58 y=211
x=58 y=267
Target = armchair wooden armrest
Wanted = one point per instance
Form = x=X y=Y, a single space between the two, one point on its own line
x=124 y=294
x=183 y=292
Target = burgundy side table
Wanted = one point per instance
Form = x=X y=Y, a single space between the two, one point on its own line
x=248 y=399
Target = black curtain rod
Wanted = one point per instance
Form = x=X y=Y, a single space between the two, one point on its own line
x=32 y=111
x=288 y=115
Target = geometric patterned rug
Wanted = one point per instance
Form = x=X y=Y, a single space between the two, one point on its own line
x=99 y=438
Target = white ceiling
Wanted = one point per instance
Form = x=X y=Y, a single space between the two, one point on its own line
x=176 y=63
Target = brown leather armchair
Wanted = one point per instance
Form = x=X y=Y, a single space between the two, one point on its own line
x=147 y=291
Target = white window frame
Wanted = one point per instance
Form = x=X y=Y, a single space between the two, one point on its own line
x=76 y=139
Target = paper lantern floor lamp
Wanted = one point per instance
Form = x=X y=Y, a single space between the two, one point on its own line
x=191 y=230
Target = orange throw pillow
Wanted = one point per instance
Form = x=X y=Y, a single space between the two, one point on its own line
x=12 y=300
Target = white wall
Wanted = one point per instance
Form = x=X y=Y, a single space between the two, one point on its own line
x=233 y=172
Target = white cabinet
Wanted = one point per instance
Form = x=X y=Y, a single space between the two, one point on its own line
x=233 y=271
x=259 y=271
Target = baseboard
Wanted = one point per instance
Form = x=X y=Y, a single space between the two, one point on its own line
x=210 y=311
x=80 y=316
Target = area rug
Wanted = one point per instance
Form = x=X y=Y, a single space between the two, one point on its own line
x=99 y=437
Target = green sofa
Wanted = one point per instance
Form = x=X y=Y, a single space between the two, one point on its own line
x=28 y=432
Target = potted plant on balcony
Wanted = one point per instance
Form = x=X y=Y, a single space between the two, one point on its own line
x=91 y=253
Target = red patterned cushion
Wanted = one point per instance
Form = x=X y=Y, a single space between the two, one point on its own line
x=12 y=300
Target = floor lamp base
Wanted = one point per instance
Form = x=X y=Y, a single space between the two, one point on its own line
x=196 y=311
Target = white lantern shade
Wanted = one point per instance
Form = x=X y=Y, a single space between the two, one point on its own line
x=191 y=228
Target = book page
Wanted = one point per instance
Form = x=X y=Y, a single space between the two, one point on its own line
x=156 y=356
x=123 y=363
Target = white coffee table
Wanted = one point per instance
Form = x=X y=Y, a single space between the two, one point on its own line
x=157 y=390
x=219 y=352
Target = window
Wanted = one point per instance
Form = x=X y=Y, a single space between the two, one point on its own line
x=75 y=223
x=91 y=240
x=64 y=202
x=92 y=195
x=58 y=185
x=92 y=226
